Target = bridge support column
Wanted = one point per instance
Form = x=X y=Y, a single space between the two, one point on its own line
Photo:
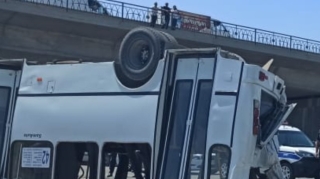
x=306 y=116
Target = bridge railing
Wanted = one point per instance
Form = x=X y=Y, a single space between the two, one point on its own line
x=191 y=22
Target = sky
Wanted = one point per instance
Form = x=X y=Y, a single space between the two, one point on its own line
x=294 y=17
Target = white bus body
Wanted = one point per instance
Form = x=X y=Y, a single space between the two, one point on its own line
x=205 y=102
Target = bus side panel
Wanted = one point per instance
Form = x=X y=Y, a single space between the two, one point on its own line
x=80 y=78
x=221 y=120
x=224 y=98
x=243 y=140
x=220 y=124
x=86 y=118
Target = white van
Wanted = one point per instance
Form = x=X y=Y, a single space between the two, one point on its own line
x=297 y=153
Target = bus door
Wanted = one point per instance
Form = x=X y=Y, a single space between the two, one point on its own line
x=222 y=116
x=188 y=118
x=9 y=80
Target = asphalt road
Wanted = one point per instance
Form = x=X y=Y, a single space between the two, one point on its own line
x=131 y=175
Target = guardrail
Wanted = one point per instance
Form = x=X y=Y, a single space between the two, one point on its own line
x=142 y=14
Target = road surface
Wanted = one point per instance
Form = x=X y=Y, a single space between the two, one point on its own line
x=131 y=175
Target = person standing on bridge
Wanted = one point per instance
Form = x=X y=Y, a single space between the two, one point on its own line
x=154 y=14
x=175 y=17
x=165 y=14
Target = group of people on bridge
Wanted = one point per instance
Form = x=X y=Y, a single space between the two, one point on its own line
x=166 y=11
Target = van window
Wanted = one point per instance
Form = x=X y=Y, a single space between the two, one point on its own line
x=126 y=160
x=294 y=139
x=31 y=159
x=76 y=160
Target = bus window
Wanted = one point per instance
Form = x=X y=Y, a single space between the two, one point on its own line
x=76 y=160
x=199 y=130
x=272 y=113
x=126 y=160
x=177 y=127
x=267 y=107
x=219 y=161
x=31 y=159
x=4 y=104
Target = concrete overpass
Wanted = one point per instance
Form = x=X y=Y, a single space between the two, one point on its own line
x=43 y=32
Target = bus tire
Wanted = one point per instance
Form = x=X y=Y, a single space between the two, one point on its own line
x=127 y=82
x=165 y=36
x=139 y=53
x=169 y=37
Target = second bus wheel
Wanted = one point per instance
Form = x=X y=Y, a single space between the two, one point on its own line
x=169 y=37
x=139 y=53
x=165 y=36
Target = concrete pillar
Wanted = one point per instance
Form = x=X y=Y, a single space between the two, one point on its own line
x=306 y=116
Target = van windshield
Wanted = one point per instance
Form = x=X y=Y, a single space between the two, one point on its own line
x=294 y=139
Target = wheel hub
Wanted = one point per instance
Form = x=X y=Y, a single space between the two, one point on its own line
x=286 y=172
x=144 y=55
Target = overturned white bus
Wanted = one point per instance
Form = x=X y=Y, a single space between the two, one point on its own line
x=154 y=110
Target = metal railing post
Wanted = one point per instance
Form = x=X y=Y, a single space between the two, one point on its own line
x=237 y=33
x=273 y=39
x=67 y=8
x=255 y=35
x=122 y=10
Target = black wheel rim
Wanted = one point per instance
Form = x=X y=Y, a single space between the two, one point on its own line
x=139 y=54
